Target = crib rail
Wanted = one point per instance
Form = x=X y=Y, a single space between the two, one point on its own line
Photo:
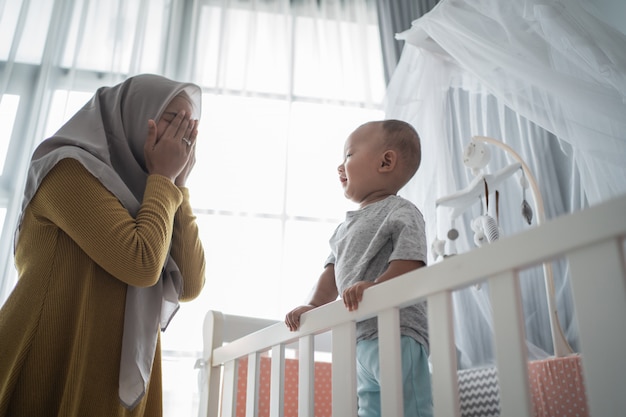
x=592 y=241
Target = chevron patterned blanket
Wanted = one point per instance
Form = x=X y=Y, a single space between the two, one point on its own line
x=556 y=388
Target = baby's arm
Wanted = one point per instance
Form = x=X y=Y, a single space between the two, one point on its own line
x=324 y=293
x=353 y=295
x=397 y=268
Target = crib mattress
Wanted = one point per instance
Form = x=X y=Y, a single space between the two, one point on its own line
x=556 y=386
x=323 y=388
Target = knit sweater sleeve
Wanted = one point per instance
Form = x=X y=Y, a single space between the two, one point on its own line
x=187 y=249
x=131 y=249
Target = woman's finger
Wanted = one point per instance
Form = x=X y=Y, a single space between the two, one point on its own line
x=191 y=133
x=177 y=128
x=182 y=128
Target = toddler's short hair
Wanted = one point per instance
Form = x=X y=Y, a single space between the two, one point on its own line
x=402 y=137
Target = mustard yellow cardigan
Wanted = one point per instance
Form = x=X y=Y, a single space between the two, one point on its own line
x=61 y=327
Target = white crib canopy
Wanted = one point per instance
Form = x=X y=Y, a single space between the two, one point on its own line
x=546 y=77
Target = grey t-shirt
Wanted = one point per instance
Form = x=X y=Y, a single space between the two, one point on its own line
x=364 y=244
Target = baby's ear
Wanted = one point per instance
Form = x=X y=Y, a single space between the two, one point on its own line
x=388 y=161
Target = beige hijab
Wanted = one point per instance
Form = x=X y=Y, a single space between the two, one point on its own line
x=107 y=136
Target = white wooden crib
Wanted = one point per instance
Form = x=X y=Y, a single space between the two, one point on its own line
x=593 y=243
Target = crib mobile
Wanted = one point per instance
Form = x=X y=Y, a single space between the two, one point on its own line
x=485 y=227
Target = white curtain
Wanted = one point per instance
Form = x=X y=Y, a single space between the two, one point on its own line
x=546 y=79
x=297 y=48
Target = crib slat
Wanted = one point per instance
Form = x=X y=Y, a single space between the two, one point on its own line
x=306 y=376
x=443 y=355
x=511 y=356
x=598 y=281
x=344 y=369
x=277 y=381
x=252 y=385
x=390 y=363
x=229 y=393
x=213 y=335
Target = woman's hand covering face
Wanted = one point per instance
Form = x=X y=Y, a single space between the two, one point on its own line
x=165 y=150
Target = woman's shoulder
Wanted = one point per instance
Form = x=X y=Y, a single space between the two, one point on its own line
x=67 y=167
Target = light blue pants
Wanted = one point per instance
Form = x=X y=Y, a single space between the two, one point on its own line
x=415 y=379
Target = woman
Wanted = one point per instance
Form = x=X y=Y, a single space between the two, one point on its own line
x=106 y=246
